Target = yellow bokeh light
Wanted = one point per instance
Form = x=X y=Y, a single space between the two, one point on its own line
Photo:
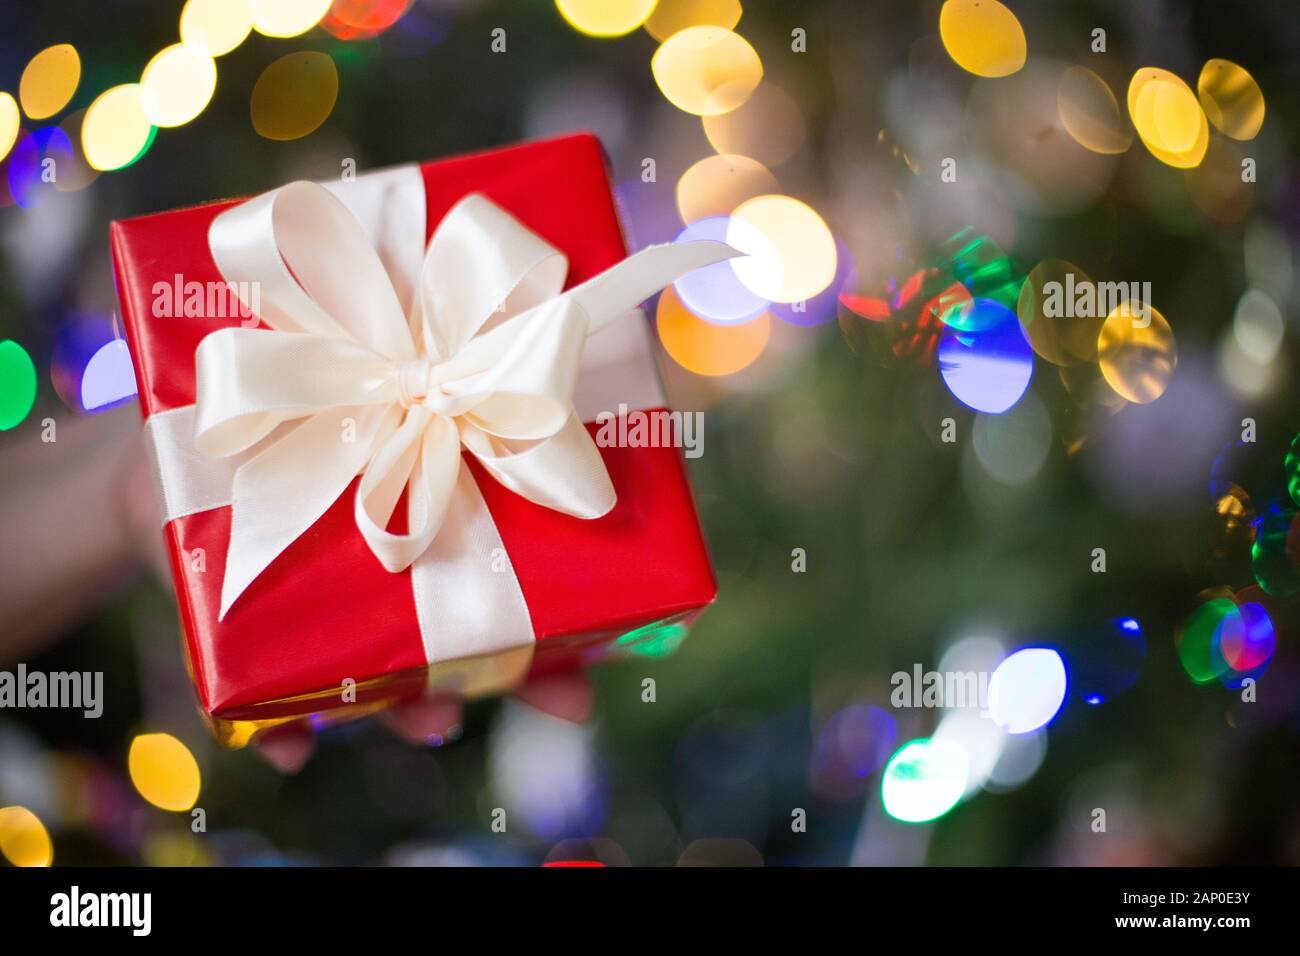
x=1168 y=118
x=982 y=37
x=1057 y=329
x=50 y=79
x=707 y=348
x=9 y=122
x=1090 y=113
x=706 y=70
x=1136 y=352
x=216 y=27
x=116 y=128
x=23 y=839
x=177 y=84
x=287 y=18
x=1231 y=98
x=716 y=185
x=164 y=771
x=605 y=18
x=769 y=126
x=790 y=254
x=294 y=95
x=673 y=16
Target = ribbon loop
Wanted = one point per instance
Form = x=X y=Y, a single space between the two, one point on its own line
x=491 y=367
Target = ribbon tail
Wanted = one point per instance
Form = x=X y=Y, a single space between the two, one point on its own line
x=623 y=287
x=284 y=490
x=563 y=472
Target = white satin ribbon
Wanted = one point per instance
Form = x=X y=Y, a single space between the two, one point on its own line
x=350 y=382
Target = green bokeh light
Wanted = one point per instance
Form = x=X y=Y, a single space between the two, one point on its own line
x=1201 y=638
x=660 y=639
x=17 y=384
x=924 y=780
x=1292 y=466
x=1275 y=555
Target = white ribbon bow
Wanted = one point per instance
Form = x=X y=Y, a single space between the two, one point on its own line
x=488 y=358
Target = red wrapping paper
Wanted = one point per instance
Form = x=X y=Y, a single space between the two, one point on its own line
x=325 y=610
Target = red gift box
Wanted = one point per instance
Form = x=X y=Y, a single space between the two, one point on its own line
x=326 y=611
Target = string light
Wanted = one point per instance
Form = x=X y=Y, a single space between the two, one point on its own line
x=216 y=27
x=116 y=131
x=50 y=79
x=706 y=70
x=177 y=84
x=164 y=771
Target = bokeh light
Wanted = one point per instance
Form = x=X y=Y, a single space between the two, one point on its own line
x=76 y=340
x=164 y=771
x=1106 y=658
x=716 y=185
x=924 y=780
x=116 y=131
x=1258 y=326
x=287 y=18
x=1249 y=648
x=9 y=122
x=216 y=27
x=1231 y=98
x=294 y=95
x=707 y=348
x=1200 y=638
x=177 y=84
x=1012 y=446
x=715 y=293
x=984 y=270
x=982 y=37
x=17 y=384
x=979 y=738
x=1027 y=689
x=824 y=306
x=1137 y=360
x=987 y=369
x=23 y=838
x=109 y=378
x=656 y=640
x=673 y=16
x=1168 y=117
x=1291 y=464
x=362 y=19
x=1090 y=113
x=852 y=745
x=768 y=127
x=1275 y=554
x=1021 y=757
x=546 y=773
x=605 y=18
x=1056 y=329
x=49 y=80
x=706 y=70
x=37 y=156
x=790 y=254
